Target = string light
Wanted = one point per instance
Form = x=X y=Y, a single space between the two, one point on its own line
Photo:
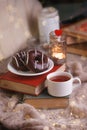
x=75 y=116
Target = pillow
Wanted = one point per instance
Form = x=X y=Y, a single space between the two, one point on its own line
x=14 y=27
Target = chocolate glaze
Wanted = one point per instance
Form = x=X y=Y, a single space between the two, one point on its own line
x=31 y=60
x=38 y=62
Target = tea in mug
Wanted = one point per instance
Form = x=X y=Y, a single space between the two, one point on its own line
x=60 y=78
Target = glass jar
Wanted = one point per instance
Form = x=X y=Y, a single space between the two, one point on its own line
x=57 y=48
x=48 y=21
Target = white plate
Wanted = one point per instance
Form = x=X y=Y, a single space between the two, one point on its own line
x=28 y=73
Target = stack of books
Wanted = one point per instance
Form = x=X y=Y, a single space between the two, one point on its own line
x=33 y=88
x=77 y=37
x=46 y=101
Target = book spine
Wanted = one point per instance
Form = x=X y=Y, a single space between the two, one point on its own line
x=48 y=103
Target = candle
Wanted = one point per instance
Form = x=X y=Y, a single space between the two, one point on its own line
x=57 y=49
x=57 y=52
x=58 y=55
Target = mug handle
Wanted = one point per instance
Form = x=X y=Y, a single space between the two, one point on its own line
x=78 y=82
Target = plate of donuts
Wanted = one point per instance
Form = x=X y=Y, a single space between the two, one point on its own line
x=30 y=73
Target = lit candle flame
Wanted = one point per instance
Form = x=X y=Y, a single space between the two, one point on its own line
x=57 y=52
x=58 y=55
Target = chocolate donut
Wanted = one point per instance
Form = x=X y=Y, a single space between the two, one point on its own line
x=20 y=61
x=38 y=62
x=31 y=60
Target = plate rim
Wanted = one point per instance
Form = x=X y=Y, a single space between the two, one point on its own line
x=21 y=73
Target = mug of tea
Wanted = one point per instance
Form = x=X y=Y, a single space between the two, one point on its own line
x=61 y=84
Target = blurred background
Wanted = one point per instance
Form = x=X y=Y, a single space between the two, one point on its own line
x=66 y=8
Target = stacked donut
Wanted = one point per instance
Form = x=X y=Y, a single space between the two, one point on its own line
x=31 y=60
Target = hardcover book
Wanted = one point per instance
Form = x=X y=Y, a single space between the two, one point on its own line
x=79 y=29
x=78 y=48
x=25 y=84
x=46 y=101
